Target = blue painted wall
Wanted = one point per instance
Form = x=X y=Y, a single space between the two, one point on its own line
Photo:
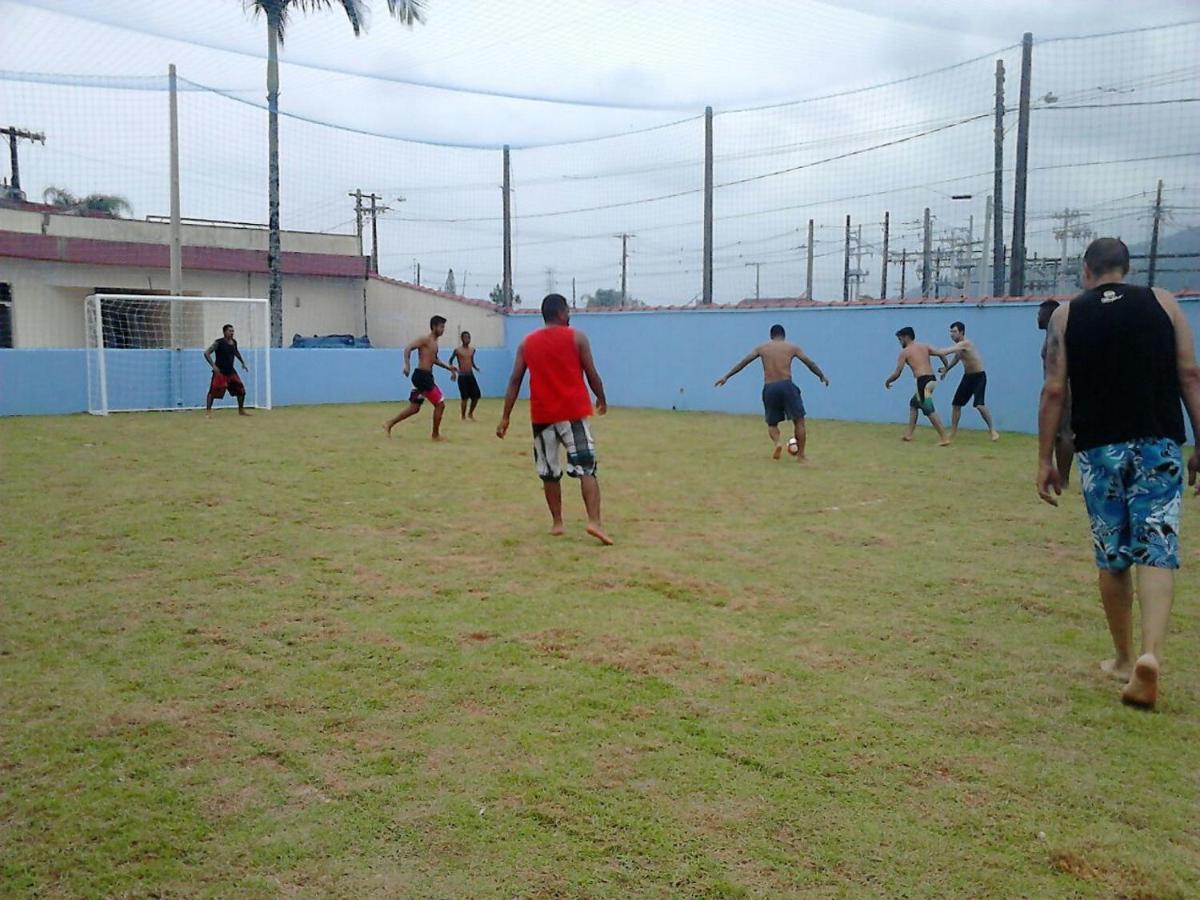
x=36 y=382
x=648 y=359
x=671 y=359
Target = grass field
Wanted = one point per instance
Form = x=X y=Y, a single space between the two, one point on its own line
x=285 y=656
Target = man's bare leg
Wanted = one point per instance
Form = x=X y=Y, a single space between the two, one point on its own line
x=912 y=424
x=1064 y=455
x=955 y=415
x=242 y=405
x=471 y=411
x=438 y=412
x=464 y=409
x=208 y=407
x=936 y=421
x=801 y=439
x=773 y=431
x=1116 y=594
x=553 y=490
x=590 y=488
x=411 y=410
x=1156 y=591
x=986 y=415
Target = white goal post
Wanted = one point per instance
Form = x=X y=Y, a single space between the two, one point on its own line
x=146 y=352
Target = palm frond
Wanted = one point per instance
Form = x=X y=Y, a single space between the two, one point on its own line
x=110 y=204
x=60 y=197
x=407 y=11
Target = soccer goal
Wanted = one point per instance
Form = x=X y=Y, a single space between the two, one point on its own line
x=147 y=352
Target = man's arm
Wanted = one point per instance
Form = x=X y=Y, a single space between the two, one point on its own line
x=238 y=354
x=896 y=373
x=1188 y=372
x=812 y=366
x=514 y=388
x=208 y=355
x=589 y=370
x=413 y=345
x=746 y=360
x=449 y=368
x=954 y=350
x=1050 y=409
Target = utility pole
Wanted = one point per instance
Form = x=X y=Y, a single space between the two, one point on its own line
x=706 y=288
x=846 y=266
x=926 y=254
x=358 y=218
x=1016 y=282
x=997 y=198
x=176 y=231
x=1154 y=237
x=551 y=282
x=757 y=278
x=375 y=210
x=887 y=221
x=858 y=269
x=624 y=264
x=808 y=280
x=506 y=291
x=1072 y=226
x=903 y=271
x=14 y=134
x=937 y=274
x=983 y=248
x=572 y=292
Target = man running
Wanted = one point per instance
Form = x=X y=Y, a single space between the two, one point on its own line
x=424 y=387
x=462 y=358
x=780 y=396
x=1127 y=354
x=915 y=355
x=224 y=375
x=1064 y=441
x=974 y=381
x=558 y=359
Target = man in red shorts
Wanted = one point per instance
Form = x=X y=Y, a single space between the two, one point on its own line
x=224 y=376
x=424 y=387
x=558 y=359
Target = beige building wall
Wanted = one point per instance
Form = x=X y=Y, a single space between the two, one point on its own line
x=398 y=312
x=48 y=298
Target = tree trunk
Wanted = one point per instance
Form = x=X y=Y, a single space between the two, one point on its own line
x=273 y=249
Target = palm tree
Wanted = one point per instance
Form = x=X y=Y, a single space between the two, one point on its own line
x=278 y=13
x=109 y=204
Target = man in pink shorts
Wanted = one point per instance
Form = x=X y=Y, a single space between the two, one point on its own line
x=424 y=387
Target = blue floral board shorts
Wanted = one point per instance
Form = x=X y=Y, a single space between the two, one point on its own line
x=1133 y=492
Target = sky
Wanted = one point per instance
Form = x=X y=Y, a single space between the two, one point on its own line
x=420 y=113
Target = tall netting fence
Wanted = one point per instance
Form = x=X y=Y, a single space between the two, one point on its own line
x=882 y=191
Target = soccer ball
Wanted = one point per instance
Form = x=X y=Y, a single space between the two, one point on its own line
x=793 y=447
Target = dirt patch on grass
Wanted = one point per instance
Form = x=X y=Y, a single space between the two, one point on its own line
x=1126 y=880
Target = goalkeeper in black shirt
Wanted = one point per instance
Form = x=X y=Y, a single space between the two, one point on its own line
x=225 y=377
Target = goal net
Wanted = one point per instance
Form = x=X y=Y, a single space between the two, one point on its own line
x=147 y=352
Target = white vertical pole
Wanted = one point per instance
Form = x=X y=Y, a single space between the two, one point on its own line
x=176 y=228
x=103 y=362
x=267 y=354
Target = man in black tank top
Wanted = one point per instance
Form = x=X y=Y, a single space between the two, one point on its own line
x=1126 y=353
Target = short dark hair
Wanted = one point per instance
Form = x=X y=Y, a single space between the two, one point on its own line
x=777 y=331
x=552 y=306
x=226 y=327
x=1048 y=304
x=1105 y=254
x=465 y=334
x=907 y=332
x=960 y=326
x=436 y=321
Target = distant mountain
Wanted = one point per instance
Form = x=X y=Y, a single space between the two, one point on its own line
x=1173 y=274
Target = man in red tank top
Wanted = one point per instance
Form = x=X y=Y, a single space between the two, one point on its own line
x=558 y=359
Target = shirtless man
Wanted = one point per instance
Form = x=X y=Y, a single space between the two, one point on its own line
x=424 y=387
x=781 y=397
x=974 y=380
x=463 y=359
x=916 y=355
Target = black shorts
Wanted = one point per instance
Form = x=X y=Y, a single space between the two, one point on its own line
x=782 y=400
x=468 y=387
x=973 y=384
x=923 y=398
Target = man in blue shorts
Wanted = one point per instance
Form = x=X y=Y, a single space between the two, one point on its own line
x=781 y=397
x=1126 y=354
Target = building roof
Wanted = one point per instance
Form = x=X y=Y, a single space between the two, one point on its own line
x=445 y=295
x=91 y=251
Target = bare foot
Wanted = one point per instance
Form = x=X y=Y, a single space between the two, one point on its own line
x=777 y=452
x=387 y=428
x=907 y=437
x=945 y=443
x=598 y=533
x=995 y=435
x=557 y=529
x=439 y=438
x=1142 y=690
x=242 y=412
x=208 y=414
x=1118 y=670
x=801 y=458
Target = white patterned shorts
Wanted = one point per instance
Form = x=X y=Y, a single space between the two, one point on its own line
x=576 y=437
